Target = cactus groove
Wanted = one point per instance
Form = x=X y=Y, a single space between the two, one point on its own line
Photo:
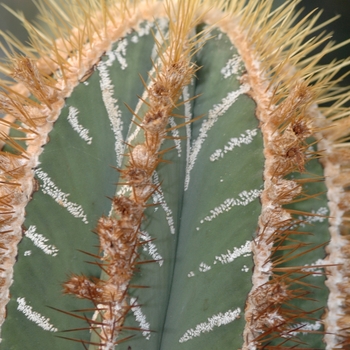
x=162 y=167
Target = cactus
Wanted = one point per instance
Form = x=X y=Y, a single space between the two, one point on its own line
x=208 y=156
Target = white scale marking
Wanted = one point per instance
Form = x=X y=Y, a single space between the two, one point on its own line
x=245 y=268
x=27 y=253
x=219 y=36
x=34 y=316
x=246 y=138
x=124 y=190
x=233 y=66
x=151 y=248
x=213 y=116
x=245 y=198
x=141 y=319
x=120 y=53
x=229 y=257
x=158 y=197
x=243 y=251
x=49 y=188
x=304 y=327
x=204 y=267
x=73 y=121
x=188 y=117
x=176 y=135
x=111 y=105
x=319 y=217
x=319 y=271
x=40 y=241
x=145 y=28
x=214 y=321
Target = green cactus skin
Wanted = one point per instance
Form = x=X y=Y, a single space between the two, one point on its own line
x=195 y=285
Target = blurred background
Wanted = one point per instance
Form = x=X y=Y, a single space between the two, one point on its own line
x=340 y=27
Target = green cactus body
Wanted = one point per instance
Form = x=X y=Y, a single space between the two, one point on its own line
x=223 y=222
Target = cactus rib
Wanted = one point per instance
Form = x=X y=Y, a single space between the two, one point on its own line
x=120 y=234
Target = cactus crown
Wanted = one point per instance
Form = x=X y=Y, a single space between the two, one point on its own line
x=286 y=87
